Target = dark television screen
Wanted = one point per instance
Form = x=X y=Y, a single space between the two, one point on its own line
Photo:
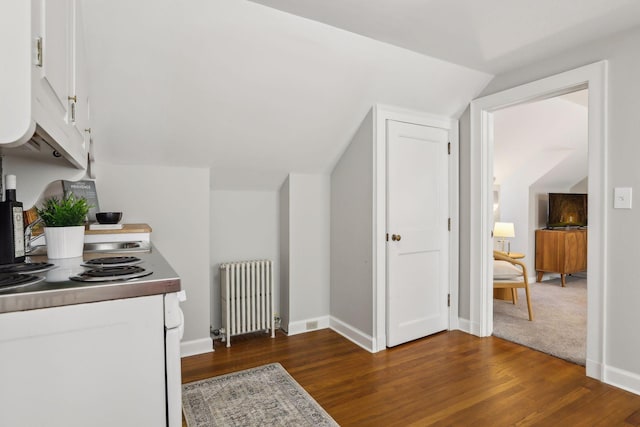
x=567 y=210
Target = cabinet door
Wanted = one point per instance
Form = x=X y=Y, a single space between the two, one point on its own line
x=54 y=77
x=79 y=83
x=575 y=251
x=56 y=49
x=16 y=125
x=100 y=364
x=548 y=249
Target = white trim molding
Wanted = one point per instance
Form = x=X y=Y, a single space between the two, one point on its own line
x=593 y=77
x=353 y=334
x=349 y=332
x=302 y=326
x=465 y=325
x=623 y=379
x=193 y=347
x=382 y=113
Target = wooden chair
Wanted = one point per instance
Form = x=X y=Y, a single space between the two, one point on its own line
x=517 y=278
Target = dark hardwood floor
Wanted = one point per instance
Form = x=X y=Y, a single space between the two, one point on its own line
x=451 y=378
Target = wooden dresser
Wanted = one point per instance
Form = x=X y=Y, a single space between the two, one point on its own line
x=561 y=251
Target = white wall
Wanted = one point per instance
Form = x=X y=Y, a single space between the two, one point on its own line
x=308 y=243
x=622 y=232
x=34 y=174
x=352 y=236
x=244 y=226
x=174 y=201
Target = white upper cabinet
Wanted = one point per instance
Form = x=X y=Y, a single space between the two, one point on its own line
x=80 y=84
x=46 y=80
x=55 y=35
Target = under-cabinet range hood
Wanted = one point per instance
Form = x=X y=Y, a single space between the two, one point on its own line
x=43 y=146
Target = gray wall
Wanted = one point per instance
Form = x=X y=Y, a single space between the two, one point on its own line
x=352 y=232
x=464 y=277
x=581 y=187
x=623 y=152
x=284 y=254
x=244 y=226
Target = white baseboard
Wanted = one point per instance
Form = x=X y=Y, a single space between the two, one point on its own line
x=466 y=325
x=594 y=369
x=353 y=334
x=623 y=379
x=302 y=326
x=191 y=348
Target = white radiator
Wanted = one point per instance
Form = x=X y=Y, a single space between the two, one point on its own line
x=246 y=289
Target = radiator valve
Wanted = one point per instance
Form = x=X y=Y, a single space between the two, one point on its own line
x=276 y=322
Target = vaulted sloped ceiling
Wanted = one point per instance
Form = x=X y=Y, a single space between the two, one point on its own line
x=249 y=91
x=542 y=143
x=490 y=35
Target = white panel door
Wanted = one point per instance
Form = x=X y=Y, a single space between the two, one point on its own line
x=417 y=227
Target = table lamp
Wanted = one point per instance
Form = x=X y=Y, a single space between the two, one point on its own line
x=503 y=230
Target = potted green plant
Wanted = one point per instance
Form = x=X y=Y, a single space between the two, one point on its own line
x=64 y=225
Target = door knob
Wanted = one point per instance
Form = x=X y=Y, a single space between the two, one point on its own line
x=396 y=237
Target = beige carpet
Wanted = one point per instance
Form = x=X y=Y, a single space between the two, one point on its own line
x=262 y=396
x=559 y=327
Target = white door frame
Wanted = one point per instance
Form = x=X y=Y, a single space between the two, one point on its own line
x=382 y=113
x=593 y=77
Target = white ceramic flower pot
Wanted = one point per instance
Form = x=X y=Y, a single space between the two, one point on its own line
x=64 y=242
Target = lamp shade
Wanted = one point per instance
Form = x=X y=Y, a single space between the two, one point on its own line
x=503 y=229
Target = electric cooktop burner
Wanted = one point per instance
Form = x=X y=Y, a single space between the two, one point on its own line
x=112 y=261
x=26 y=267
x=109 y=274
x=12 y=281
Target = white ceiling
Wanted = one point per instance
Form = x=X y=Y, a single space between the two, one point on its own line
x=254 y=93
x=489 y=35
x=248 y=91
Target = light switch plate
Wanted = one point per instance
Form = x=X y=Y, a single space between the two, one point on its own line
x=622 y=198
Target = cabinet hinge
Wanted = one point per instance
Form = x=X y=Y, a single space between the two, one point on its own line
x=448 y=148
x=387 y=237
x=448 y=300
x=73 y=112
x=39 y=52
x=449 y=224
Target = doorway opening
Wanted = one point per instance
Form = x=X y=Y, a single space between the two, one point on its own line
x=593 y=77
x=540 y=148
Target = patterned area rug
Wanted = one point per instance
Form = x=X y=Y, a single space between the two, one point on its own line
x=559 y=324
x=262 y=396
